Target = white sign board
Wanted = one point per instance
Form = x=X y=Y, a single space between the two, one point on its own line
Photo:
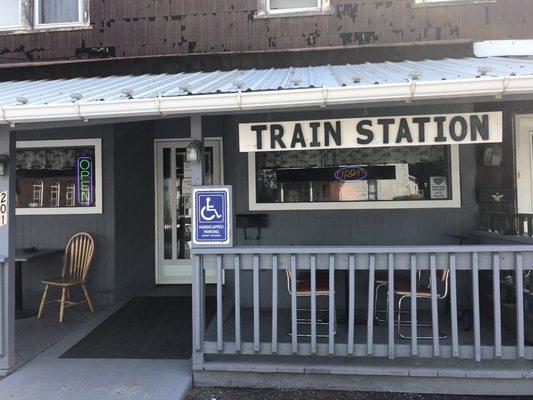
x=3 y=208
x=414 y=130
x=438 y=187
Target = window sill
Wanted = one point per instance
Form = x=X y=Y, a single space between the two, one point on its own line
x=40 y=29
x=292 y=14
x=452 y=3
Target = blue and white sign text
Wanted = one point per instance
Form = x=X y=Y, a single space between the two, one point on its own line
x=212 y=218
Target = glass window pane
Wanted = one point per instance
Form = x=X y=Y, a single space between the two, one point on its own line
x=10 y=15
x=58 y=11
x=291 y=4
x=378 y=174
x=43 y=172
x=167 y=206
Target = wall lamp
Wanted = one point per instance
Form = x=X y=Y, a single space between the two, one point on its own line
x=4 y=161
x=194 y=151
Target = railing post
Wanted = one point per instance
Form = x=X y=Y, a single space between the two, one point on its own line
x=496 y=304
x=414 y=318
x=257 y=309
x=434 y=306
x=351 y=304
x=197 y=318
x=453 y=305
x=237 y=265
x=390 y=304
x=220 y=321
x=294 y=309
x=370 y=314
x=519 y=285
x=313 y=303
x=475 y=301
x=274 y=303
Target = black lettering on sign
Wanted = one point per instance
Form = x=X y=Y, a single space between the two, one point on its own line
x=422 y=121
x=479 y=126
x=367 y=134
x=314 y=130
x=297 y=136
x=335 y=133
x=404 y=132
x=258 y=129
x=276 y=136
x=453 y=128
x=440 y=129
x=385 y=122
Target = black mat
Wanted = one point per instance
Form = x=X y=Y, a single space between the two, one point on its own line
x=144 y=328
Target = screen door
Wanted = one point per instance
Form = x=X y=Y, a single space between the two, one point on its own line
x=173 y=199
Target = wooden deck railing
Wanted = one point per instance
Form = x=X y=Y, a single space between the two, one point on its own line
x=274 y=260
x=507 y=223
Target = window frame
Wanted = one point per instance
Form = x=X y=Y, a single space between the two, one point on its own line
x=80 y=23
x=264 y=10
x=14 y=27
x=98 y=184
x=454 y=202
x=435 y=3
x=55 y=193
x=38 y=184
x=70 y=194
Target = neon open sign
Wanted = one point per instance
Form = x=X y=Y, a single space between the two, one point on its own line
x=347 y=174
x=85 y=180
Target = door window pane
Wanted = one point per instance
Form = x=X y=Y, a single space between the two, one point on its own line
x=167 y=206
x=10 y=15
x=58 y=11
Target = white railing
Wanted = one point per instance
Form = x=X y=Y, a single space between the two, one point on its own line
x=258 y=261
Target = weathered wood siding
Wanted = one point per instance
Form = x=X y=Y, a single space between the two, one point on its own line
x=124 y=28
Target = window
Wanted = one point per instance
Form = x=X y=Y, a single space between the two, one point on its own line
x=44 y=167
x=55 y=190
x=70 y=195
x=25 y=15
x=10 y=15
x=279 y=8
x=58 y=12
x=37 y=193
x=386 y=177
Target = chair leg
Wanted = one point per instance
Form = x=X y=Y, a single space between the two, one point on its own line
x=43 y=302
x=376 y=311
x=62 y=307
x=86 y=293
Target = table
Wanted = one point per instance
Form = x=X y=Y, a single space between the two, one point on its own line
x=21 y=257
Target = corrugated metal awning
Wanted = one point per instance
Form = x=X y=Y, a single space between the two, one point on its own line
x=164 y=94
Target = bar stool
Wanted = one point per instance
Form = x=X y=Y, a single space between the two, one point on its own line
x=303 y=289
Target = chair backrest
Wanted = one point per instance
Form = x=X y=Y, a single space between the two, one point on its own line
x=78 y=256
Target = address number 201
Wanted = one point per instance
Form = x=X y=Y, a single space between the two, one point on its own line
x=3 y=208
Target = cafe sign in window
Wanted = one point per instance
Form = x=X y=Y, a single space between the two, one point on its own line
x=59 y=177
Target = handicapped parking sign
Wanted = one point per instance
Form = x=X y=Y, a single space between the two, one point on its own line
x=212 y=217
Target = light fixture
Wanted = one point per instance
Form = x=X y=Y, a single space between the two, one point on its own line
x=4 y=160
x=194 y=151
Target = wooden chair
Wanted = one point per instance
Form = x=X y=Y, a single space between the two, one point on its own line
x=76 y=262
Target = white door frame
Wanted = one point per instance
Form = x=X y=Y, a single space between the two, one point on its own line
x=524 y=163
x=159 y=144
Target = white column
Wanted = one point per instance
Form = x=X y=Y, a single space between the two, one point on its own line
x=7 y=251
x=197 y=176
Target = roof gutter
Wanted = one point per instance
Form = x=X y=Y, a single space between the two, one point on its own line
x=267 y=100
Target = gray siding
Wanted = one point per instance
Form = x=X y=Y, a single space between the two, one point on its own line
x=53 y=231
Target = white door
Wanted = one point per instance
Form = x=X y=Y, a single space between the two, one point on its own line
x=173 y=206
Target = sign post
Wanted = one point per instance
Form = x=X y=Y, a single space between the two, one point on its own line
x=212 y=222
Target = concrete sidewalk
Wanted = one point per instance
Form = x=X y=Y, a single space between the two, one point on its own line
x=49 y=377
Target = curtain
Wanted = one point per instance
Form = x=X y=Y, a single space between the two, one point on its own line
x=10 y=13
x=58 y=11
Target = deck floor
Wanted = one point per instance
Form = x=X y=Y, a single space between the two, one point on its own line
x=33 y=336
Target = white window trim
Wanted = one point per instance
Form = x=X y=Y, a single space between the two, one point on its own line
x=70 y=194
x=429 y=3
x=454 y=202
x=55 y=189
x=80 y=23
x=97 y=209
x=14 y=27
x=264 y=11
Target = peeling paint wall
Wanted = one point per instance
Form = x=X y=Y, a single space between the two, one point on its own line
x=123 y=28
